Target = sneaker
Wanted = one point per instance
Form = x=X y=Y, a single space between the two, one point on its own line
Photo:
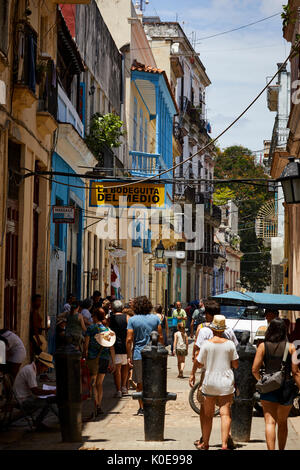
x=140 y=412
x=118 y=394
x=124 y=391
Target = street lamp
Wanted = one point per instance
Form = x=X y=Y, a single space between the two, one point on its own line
x=290 y=181
x=160 y=250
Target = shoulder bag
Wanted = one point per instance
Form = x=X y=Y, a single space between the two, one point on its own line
x=274 y=381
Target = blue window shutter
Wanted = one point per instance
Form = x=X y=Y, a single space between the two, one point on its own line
x=141 y=131
x=135 y=106
x=146 y=136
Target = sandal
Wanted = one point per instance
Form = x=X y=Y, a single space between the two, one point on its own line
x=198 y=442
x=202 y=446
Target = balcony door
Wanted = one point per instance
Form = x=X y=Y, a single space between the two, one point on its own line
x=12 y=238
x=11 y=266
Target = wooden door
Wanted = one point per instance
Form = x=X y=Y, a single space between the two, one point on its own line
x=11 y=266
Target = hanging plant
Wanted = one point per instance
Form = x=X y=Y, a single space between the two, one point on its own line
x=105 y=130
x=286 y=16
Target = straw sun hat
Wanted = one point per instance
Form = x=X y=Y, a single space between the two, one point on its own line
x=46 y=359
x=218 y=323
x=106 y=338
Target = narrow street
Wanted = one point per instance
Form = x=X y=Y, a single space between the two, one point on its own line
x=121 y=429
x=150 y=170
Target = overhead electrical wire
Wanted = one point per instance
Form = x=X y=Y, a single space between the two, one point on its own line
x=215 y=35
x=209 y=144
x=236 y=29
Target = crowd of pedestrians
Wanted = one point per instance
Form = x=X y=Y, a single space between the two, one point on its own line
x=111 y=337
x=86 y=325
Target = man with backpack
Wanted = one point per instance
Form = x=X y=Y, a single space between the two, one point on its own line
x=198 y=317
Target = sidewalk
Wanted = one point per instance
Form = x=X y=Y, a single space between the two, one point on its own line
x=120 y=429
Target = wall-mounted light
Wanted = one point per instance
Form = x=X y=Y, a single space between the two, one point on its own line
x=160 y=250
x=290 y=182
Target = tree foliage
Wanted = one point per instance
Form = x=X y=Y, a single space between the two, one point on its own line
x=222 y=196
x=234 y=163
x=104 y=130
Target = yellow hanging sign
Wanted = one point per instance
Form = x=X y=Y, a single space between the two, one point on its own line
x=103 y=193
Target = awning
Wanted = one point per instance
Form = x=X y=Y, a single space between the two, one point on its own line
x=276 y=301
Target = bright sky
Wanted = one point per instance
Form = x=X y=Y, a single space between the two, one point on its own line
x=236 y=63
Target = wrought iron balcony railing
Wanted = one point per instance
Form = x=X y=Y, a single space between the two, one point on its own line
x=145 y=164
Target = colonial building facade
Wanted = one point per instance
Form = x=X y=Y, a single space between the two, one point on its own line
x=188 y=78
x=28 y=112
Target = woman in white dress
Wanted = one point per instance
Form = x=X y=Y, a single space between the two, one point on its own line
x=218 y=356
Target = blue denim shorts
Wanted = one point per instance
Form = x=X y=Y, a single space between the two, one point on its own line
x=277 y=397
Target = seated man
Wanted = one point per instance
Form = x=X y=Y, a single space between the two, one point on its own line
x=29 y=394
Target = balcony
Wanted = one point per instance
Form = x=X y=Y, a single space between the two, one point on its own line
x=185 y=105
x=272 y=97
x=219 y=251
x=67 y=113
x=145 y=164
x=196 y=118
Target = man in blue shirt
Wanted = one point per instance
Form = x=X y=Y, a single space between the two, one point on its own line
x=139 y=328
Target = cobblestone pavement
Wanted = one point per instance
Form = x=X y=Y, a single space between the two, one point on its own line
x=120 y=429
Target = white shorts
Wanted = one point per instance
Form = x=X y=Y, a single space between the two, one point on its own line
x=121 y=359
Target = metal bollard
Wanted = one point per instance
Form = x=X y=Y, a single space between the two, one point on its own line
x=68 y=382
x=242 y=407
x=154 y=394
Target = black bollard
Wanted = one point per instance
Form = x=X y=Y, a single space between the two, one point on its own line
x=242 y=407
x=68 y=382
x=154 y=394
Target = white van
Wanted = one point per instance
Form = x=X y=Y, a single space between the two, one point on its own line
x=241 y=319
